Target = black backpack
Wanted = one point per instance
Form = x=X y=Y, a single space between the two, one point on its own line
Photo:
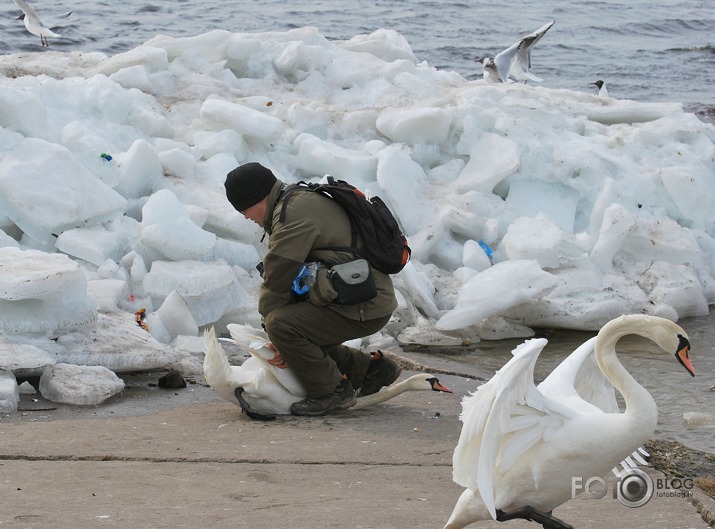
x=385 y=247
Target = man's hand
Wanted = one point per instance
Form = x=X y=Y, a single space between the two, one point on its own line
x=277 y=360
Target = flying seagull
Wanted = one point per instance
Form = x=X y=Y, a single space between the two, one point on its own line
x=36 y=25
x=602 y=91
x=515 y=61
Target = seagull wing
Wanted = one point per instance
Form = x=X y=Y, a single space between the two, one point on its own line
x=30 y=13
x=531 y=39
x=522 y=61
x=56 y=21
x=491 y=73
x=504 y=61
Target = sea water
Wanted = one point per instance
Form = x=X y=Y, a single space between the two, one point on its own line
x=644 y=50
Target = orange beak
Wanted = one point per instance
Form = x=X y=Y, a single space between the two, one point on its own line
x=436 y=386
x=683 y=355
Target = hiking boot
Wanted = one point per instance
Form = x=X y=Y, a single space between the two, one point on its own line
x=341 y=398
x=381 y=372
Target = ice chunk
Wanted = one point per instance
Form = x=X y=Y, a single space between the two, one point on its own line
x=318 y=157
x=209 y=289
x=424 y=333
x=178 y=162
x=210 y=143
x=172 y=319
x=82 y=385
x=27 y=389
x=629 y=113
x=234 y=253
x=403 y=182
x=385 y=44
x=22 y=111
x=42 y=292
x=45 y=190
x=698 y=419
x=25 y=360
x=153 y=58
x=94 y=244
x=491 y=159
x=557 y=201
x=6 y=240
x=139 y=170
x=9 y=392
x=168 y=228
x=415 y=125
x=133 y=77
x=242 y=119
x=533 y=238
x=474 y=256
x=617 y=223
x=115 y=342
x=420 y=289
x=108 y=292
x=674 y=286
x=495 y=290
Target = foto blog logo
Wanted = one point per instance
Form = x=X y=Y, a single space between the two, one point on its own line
x=632 y=487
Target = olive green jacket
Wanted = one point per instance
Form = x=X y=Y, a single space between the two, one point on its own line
x=312 y=221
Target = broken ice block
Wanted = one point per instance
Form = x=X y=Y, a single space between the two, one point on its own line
x=42 y=292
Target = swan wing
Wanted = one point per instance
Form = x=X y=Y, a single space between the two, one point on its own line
x=579 y=381
x=516 y=421
x=595 y=388
x=476 y=410
x=502 y=420
x=218 y=372
x=217 y=368
x=262 y=390
x=256 y=342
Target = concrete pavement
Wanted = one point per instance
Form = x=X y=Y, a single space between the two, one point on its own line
x=158 y=459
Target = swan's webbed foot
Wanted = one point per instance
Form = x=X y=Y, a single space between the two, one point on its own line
x=246 y=407
x=546 y=519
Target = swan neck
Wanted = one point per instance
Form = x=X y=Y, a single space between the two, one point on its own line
x=388 y=392
x=634 y=395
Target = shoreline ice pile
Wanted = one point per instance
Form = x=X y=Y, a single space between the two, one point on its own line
x=525 y=206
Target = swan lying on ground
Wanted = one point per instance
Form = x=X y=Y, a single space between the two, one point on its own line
x=264 y=391
x=521 y=445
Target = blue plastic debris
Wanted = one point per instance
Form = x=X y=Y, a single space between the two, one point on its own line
x=486 y=249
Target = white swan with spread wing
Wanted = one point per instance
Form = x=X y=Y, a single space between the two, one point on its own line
x=521 y=445
x=263 y=390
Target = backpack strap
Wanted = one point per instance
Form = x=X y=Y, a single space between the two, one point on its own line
x=304 y=186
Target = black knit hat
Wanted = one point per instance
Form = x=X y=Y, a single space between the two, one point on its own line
x=248 y=184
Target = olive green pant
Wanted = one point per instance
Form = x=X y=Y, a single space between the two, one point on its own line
x=310 y=340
